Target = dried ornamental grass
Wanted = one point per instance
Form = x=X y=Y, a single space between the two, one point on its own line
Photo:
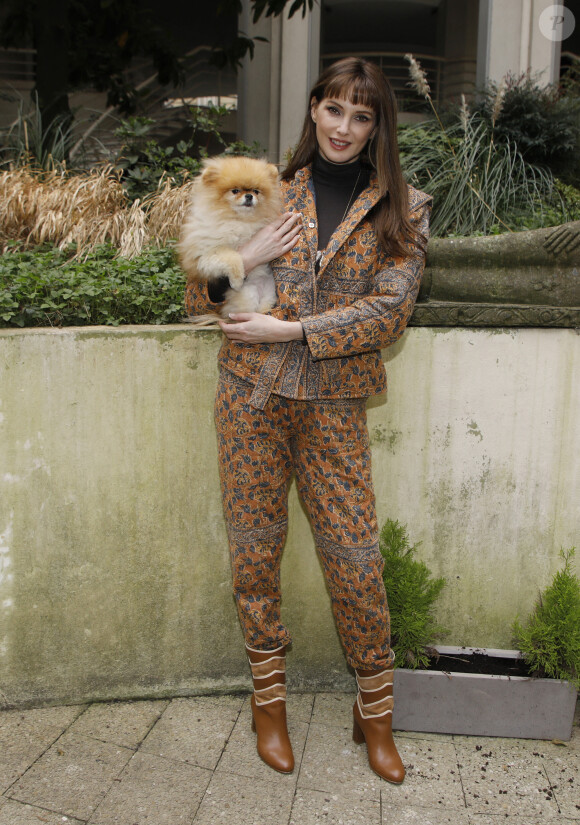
x=19 y=192
x=85 y=210
x=165 y=210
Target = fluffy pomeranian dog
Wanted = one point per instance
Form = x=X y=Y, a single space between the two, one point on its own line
x=231 y=200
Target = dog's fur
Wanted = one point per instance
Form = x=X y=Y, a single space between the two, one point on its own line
x=231 y=200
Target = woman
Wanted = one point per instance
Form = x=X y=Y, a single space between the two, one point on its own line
x=347 y=259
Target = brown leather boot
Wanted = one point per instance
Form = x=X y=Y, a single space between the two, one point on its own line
x=269 y=708
x=373 y=716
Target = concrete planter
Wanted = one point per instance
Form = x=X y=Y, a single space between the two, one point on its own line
x=482 y=705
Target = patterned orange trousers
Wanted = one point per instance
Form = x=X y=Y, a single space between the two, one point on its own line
x=325 y=445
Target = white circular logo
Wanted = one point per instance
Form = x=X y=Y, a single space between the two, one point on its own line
x=557 y=22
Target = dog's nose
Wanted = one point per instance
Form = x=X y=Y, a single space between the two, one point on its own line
x=249 y=198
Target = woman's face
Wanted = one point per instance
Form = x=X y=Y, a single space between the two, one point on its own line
x=342 y=129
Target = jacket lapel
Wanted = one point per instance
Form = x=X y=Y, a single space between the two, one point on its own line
x=361 y=207
x=300 y=197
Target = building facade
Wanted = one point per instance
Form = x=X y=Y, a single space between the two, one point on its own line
x=461 y=44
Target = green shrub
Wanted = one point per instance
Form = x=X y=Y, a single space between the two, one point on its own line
x=48 y=287
x=550 y=637
x=571 y=197
x=144 y=162
x=481 y=180
x=411 y=592
x=477 y=187
x=542 y=121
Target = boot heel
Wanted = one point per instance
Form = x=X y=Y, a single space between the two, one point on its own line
x=357 y=734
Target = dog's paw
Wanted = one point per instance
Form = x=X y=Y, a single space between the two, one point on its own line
x=236 y=279
x=221 y=263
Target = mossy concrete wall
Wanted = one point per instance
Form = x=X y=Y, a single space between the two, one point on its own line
x=114 y=572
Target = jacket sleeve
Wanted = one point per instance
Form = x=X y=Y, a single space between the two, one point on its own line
x=379 y=318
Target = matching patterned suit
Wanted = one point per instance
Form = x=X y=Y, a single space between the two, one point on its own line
x=299 y=408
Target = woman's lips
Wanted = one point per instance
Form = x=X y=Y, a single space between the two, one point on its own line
x=339 y=144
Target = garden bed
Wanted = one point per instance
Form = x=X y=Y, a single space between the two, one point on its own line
x=481 y=703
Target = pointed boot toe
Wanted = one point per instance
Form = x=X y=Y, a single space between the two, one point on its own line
x=382 y=752
x=274 y=747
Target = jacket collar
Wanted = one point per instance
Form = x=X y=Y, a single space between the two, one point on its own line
x=304 y=197
x=301 y=194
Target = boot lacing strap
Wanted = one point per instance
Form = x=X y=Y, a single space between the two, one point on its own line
x=372 y=684
x=263 y=670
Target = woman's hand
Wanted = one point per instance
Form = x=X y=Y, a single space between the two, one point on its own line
x=255 y=328
x=273 y=240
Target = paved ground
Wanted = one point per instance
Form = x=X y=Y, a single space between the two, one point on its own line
x=193 y=762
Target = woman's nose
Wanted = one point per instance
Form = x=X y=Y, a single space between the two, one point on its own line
x=343 y=126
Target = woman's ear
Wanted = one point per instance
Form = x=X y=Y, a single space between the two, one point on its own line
x=313 y=108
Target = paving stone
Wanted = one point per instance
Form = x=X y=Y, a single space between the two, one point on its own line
x=505 y=776
x=236 y=800
x=432 y=780
x=195 y=730
x=241 y=756
x=15 y=813
x=154 y=790
x=394 y=814
x=319 y=808
x=73 y=776
x=333 y=709
x=562 y=764
x=78 y=765
x=124 y=723
x=299 y=706
x=25 y=735
x=333 y=763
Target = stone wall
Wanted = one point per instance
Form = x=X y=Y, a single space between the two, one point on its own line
x=114 y=574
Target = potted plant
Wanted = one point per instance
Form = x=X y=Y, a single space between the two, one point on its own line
x=527 y=693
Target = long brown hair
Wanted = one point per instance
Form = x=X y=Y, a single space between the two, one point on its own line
x=364 y=84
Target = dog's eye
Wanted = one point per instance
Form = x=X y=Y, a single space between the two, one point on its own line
x=235 y=191
x=256 y=191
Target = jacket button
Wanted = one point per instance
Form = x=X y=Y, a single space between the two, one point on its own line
x=311 y=224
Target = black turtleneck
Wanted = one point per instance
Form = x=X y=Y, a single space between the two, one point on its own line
x=337 y=186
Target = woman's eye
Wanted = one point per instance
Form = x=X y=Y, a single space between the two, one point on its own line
x=235 y=191
x=333 y=110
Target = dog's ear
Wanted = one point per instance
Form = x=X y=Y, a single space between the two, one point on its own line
x=273 y=172
x=210 y=174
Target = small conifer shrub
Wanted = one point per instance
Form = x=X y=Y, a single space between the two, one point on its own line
x=412 y=593
x=550 y=637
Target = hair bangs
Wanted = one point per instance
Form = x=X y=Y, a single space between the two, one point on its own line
x=358 y=90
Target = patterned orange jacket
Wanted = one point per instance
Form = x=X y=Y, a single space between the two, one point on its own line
x=360 y=301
